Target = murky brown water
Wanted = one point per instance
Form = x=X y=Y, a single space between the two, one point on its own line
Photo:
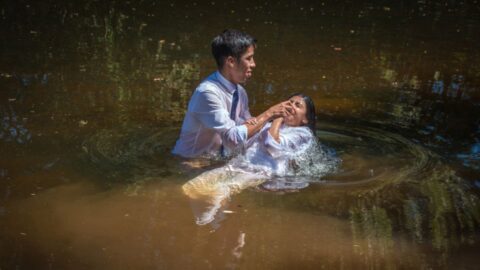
x=91 y=100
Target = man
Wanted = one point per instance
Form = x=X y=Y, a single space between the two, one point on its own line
x=218 y=120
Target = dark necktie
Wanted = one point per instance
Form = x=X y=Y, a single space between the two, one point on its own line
x=233 y=114
x=233 y=111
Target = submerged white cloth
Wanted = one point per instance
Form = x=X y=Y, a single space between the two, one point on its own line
x=210 y=190
x=264 y=155
x=207 y=124
x=263 y=158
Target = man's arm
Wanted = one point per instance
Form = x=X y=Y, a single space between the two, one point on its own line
x=210 y=110
x=212 y=114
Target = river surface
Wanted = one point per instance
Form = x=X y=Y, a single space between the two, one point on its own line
x=92 y=95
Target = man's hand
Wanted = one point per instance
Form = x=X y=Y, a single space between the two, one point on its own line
x=251 y=121
x=281 y=109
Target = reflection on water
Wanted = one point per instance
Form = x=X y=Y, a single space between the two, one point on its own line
x=13 y=129
x=92 y=95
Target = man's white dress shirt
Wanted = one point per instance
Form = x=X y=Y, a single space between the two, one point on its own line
x=207 y=123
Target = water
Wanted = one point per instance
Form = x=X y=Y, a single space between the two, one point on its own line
x=91 y=100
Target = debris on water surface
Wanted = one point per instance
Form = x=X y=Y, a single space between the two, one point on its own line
x=51 y=164
x=82 y=123
x=237 y=251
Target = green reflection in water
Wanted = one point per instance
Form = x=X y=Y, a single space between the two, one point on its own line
x=111 y=34
x=372 y=227
x=444 y=212
x=414 y=218
x=453 y=210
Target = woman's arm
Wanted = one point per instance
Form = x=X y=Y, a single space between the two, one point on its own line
x=277 y=111
x=274 y=128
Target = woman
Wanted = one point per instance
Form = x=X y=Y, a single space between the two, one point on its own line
x=271 y=152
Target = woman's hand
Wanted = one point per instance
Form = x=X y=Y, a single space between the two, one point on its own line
x=278 y=121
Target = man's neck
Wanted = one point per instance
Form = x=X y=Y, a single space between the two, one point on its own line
x=227 y=75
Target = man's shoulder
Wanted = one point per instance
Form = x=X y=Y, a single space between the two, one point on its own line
x=207 y=90
x=207 y=85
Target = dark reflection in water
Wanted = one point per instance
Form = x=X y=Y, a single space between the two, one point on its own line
x=91 y=98
x=13 y=128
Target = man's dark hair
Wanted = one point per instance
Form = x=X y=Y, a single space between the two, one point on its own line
x=231 y=43
x=310 y=113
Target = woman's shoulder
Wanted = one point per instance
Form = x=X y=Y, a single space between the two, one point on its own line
x=301 y=130
x=297 y=137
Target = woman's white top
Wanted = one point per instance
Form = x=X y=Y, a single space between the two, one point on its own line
x=265 y=156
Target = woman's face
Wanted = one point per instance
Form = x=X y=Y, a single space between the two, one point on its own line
x=298 y=116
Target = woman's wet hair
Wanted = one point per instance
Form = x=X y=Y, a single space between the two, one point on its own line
x=231 y=43
x=310 y=113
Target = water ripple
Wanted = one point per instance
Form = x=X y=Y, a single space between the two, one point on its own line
x=133 y=151
x=374 y=156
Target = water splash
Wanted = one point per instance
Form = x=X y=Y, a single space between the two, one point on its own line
x=317 y=161
x=308 y=166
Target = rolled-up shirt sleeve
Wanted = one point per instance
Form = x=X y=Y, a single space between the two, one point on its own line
x=291 y=141
x=210 y=111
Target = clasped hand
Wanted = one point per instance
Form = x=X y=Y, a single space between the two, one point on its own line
x=281 y=109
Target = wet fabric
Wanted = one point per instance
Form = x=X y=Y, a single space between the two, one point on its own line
x=210 y=190
x=263 y=158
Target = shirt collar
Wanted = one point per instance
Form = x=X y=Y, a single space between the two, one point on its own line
x=230 y=87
